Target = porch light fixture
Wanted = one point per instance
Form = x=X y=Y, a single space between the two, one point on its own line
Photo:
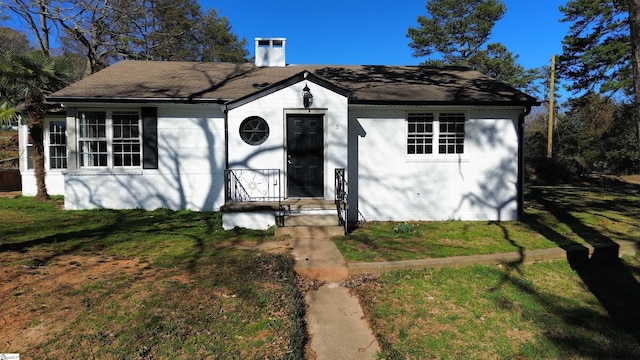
x=307 y=98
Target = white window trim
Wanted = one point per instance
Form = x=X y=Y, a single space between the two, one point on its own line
x=109 y=139
x=47 y=144
x=435 y=156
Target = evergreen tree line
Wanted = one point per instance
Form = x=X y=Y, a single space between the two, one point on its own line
x=597 y=128
x=595 y=135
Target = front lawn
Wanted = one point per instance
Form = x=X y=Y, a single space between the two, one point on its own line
x=577 y=309
x=546 y=310
x=554 y=216
x=159 y=284
x=135 y=284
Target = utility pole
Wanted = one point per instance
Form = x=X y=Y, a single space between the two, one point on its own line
x=551 y=87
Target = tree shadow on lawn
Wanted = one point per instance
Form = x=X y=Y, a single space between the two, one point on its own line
x=137 y=233
x=576 y=329
x=604 y=274
x=136 y=230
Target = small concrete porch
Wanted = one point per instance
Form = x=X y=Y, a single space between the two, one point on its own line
x=291 y=216
x=309 y=217
x=254 y=199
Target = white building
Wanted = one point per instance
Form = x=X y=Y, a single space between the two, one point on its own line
x=383 y=142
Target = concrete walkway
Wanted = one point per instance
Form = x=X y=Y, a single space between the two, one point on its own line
x=336 y=324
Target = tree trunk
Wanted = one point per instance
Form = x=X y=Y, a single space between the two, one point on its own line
x=36 y=114
x=634 y=24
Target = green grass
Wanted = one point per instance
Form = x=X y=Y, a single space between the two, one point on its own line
x=554 y=216
x=232 y=310
x=166 y=238
x=379 y=241
x=145 y=284
x=183 y=290
x=577 y=309
x=547 y=310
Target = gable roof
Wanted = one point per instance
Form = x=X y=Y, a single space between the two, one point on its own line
x=150 y=81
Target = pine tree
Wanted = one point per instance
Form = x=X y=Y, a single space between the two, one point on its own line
x=457 y=32
x=456 y=29
x=596 y=51
x=601 y=53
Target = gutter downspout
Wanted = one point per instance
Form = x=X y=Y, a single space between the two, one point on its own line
x=520 y=186
x=225 y=110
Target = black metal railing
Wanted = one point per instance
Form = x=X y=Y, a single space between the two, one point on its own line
x=341 y=197
x=245 y=185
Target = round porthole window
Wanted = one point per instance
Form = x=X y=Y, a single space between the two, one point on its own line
x=254 y=130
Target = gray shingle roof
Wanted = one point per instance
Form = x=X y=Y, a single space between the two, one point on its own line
x=222 y=82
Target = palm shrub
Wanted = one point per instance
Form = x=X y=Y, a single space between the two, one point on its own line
x=27 y=79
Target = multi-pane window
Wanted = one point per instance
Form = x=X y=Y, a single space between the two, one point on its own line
x=109 y=139
x=29 y=150
x=57 y=145
x=420 y=133
x=254 y=130
x=441 y=133
x=92 y=138
x=126 y=138
x=451 y=137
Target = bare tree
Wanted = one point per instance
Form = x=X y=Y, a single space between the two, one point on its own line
x=34 y=13
x=107 y=30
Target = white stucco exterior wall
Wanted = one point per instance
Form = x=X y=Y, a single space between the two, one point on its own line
x=370 y=141
x=53 y=179
x=274 y=108
x=191 y=160
x=479 y=185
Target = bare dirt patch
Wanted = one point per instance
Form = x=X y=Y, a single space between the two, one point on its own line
x=42 y=293
x=272 y=247
x=39 y=300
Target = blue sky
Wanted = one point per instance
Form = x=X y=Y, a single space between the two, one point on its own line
x=373 y=32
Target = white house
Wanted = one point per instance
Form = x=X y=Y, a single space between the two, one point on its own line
x=381 y=142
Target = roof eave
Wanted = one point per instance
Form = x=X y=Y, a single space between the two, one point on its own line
x=76 y=99
x=443 y=102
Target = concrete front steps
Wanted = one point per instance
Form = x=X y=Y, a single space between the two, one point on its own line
x=310 y=218
x=310 y=226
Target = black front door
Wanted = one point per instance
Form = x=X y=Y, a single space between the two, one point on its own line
x=305 y=155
